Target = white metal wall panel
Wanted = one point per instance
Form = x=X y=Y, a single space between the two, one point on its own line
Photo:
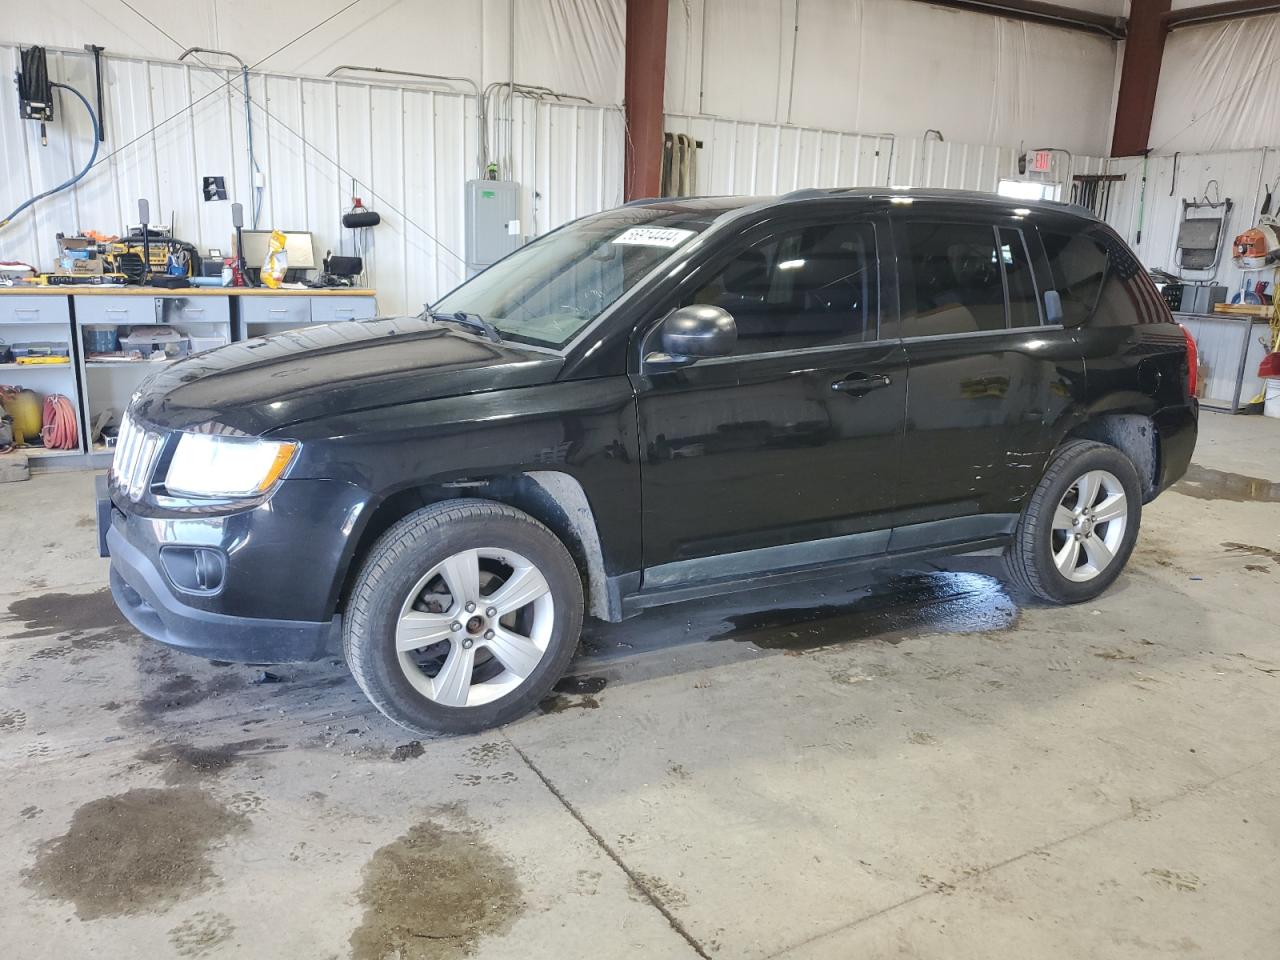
x=890 y=65
x=761 y=158
x=409 y=148
x=1240 y=175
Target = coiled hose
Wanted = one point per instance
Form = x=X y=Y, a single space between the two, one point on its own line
x=79 y=176
x=59 y=431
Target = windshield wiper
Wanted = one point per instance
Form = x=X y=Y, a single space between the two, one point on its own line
x=472 y=321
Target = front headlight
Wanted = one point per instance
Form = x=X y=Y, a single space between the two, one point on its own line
x=204 y=465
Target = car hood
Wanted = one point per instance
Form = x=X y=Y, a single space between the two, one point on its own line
x=260 y=385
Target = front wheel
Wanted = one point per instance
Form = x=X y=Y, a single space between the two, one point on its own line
x=463 y=617
x=1080 y=525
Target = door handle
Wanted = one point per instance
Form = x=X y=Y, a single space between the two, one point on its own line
x=858 y=384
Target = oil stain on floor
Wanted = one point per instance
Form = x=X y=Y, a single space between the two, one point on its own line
x=435 y=892
x=185 y=763
x=134 y=852
x=1206 y=484
x=573 y=693
x=901 y=607
x=81 y=621
x=1252 y=550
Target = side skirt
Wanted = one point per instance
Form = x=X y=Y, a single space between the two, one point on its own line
x=636 y=601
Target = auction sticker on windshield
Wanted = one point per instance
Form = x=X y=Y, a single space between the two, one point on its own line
x=654 y=236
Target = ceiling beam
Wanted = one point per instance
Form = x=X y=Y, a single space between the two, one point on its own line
x=1214 y=12
x=1035 y=11
x=1139 y=77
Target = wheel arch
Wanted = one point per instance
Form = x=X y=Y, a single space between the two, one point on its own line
x=1133 y=434
x=554 y=498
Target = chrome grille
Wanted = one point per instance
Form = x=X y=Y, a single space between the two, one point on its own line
x=137 y=450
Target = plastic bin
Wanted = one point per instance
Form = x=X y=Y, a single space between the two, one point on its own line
x=149 y=340
x=1271 y=399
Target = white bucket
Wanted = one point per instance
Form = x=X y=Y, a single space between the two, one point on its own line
x=1271 y=399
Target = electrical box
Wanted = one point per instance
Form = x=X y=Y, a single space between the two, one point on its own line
x=493 y=222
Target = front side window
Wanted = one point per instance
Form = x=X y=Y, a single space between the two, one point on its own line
x=803 y=287
x=550 y=290
x=955 y=279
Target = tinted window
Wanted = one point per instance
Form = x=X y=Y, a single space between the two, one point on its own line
x=1079 y=264
x=955 y=277
x=802 y=288
x=1024 y=305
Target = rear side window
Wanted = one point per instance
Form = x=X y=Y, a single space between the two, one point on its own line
x=1098 y=277
x=803 y=287
x=1079 y=265
x=956 y=279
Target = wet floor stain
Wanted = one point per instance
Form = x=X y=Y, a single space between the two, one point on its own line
x=79 y=622
x=134 y=852
x=1204 y=483
x=901 y=607
x=573 y=693
x=182 y=691
x=435 y=893
x=407 y=751
x=1252 y=550
x=61 y=614
x=185 y=763
x=200 y=934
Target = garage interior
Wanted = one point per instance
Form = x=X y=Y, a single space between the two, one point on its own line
x=913 y=762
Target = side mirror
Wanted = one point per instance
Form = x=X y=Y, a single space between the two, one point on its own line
x=699 y=330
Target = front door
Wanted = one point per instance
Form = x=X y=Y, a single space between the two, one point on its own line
x=785 y=452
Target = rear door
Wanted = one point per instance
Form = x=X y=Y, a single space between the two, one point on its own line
x=793 y=439
x=989 y=370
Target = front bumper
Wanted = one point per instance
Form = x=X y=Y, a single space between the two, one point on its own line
x=275 y=601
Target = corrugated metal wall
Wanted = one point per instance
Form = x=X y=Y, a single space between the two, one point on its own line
x=763 y=158
x=409 y=148
x=1240 y=175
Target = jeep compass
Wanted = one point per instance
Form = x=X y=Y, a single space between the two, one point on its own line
x=669 y=400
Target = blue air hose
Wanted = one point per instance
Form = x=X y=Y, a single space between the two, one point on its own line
x=79 y=176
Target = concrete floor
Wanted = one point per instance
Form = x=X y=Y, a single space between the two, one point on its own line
x=913 y=765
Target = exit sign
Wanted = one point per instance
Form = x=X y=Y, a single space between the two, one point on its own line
x=1041 y=161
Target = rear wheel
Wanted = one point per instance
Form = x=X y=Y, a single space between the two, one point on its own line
x=462 y=617
x=1080 y=524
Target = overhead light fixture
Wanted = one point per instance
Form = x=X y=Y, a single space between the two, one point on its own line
x=790 y=264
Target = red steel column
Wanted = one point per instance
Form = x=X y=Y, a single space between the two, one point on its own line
x=1139 y=77
x=646 y=71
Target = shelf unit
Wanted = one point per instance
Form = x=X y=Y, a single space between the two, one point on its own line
x=108 y=385
x=38 y=318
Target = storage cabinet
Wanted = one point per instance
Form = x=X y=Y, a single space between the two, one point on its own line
x=100 y=379
x=109 y=381
x=262 y=314
x=28 y=319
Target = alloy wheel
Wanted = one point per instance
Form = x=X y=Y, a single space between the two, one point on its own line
x=1089 y=525
x=474 y=627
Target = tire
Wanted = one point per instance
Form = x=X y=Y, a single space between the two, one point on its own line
x=403 y=594
x=1038 y=559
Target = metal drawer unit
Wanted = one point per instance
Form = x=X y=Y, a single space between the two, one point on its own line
x=263 y=314
x=37 y=318
x=337 y=309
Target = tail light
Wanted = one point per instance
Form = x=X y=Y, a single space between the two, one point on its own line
x=1193 y=362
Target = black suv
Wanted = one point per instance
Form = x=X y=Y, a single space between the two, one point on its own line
x=669 y=400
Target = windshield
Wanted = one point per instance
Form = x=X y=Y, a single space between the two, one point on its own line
x=548 y=291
